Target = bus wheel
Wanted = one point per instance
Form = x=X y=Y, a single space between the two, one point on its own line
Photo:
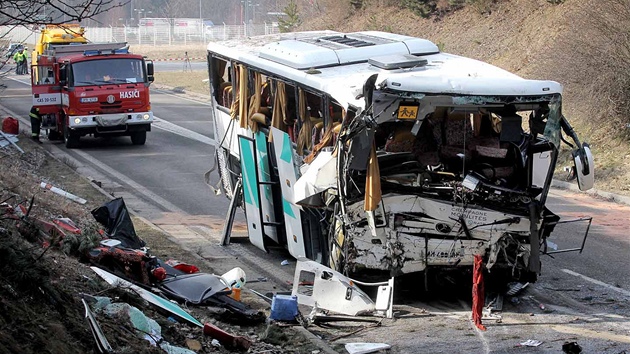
x=139 y=137
x=70 y=139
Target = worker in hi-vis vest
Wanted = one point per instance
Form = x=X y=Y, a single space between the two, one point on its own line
x=36 y=122
x=20 y=62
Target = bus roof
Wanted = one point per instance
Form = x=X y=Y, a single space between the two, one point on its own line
x=340 y=63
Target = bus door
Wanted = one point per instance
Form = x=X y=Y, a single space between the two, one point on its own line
x=283 y=151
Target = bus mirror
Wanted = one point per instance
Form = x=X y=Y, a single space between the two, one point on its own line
x=150 y=69
x=584 y=167
x=368 y=90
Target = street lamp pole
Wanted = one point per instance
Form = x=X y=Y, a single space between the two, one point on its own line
x=200 y=10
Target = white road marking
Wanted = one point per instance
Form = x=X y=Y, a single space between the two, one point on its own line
x=182 y=97
x=176 y=129
x=21 y=81
x=600 y=283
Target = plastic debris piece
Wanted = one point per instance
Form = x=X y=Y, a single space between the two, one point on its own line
x=193 y=344
x=215 y=343
x=531 y=343
x=285 y=262
x=61 y=192
x=184 y=267
x=147 y=295
x=225 y=338
x=284 y=307
x=235 y=277
x=67 y=225
x=116 y=219
x=101 y=341
x=364 y=348
x=571 y=348
x=515 y=288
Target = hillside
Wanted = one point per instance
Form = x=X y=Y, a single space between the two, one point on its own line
x=534 y=39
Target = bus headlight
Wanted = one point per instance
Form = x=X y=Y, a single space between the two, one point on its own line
x=146 y=116
x=77 y=120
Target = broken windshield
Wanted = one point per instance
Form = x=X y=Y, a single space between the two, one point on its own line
x=108 y=71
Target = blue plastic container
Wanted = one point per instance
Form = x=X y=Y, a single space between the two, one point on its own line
x=284 y=308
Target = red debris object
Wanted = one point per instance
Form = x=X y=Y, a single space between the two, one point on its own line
x=67 y=225
x=159 y=273
x=478 y=292
x=225 y=338
x=184 y=267
x=10 y=125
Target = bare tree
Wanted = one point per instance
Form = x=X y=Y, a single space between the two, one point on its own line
x=37 y=12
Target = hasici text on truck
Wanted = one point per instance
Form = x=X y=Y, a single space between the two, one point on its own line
x=97 y=89
x=378 y=155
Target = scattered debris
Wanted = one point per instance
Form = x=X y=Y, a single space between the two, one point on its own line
x=364 y=348
x=236 y=278
x=145 y=327
x=530 y=343
x=147 y=295
x=478 y=293
x=102 y=344
x=63 y=193
x=262 y=296
x=117 y=221
x=225 y=338
x=183 y=267
x=284 y=308
x=571 y=348
x=515 y=288
x=7 y=139
x=284 y=263
x=331 y=290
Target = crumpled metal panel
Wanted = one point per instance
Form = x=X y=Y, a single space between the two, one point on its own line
x=402 y=244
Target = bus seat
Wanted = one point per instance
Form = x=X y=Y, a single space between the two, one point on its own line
x=400 y=140
x=227 y=96
x=265 y=110
x=317 y=133
x=259 y=118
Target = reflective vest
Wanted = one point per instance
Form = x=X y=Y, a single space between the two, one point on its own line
x=19 y=57
x=34 y=113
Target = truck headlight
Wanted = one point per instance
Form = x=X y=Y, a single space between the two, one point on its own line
x=77 y=120
x=146 y=116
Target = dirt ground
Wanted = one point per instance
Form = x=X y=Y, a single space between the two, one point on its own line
x=40 y=286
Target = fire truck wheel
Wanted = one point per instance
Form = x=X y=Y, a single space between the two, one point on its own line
x=54 y=135
x=71 y=140
x=139 y=138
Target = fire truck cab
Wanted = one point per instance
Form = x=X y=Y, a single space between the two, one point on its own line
x=93 y=89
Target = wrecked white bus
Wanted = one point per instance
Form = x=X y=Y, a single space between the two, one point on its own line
x=372 y=153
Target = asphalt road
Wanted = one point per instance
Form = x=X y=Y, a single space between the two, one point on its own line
x=579 y=297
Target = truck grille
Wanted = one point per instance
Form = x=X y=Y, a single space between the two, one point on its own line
x=110 y=107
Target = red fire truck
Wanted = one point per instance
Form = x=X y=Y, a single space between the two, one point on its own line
x=96 y=88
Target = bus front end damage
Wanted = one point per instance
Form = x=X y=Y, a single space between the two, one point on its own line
x=429 y=181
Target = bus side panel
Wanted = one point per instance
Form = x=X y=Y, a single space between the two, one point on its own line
x=250 y=191
x=266 y=194
x=286 y=170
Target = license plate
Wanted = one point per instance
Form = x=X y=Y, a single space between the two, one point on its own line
x=407 y=111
